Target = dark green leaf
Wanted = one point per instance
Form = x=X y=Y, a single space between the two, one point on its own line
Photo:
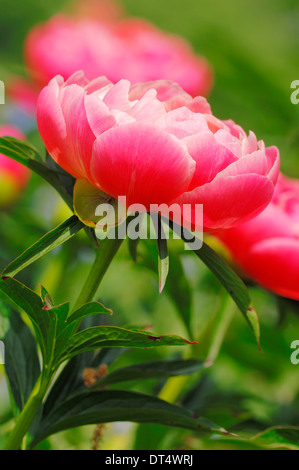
x=28 y=156
x=21 y=360
x=117 y=405
x=70 y=380
x=24 y=298
x=149 y=436
x=49 y=322
x=133 y=245
x=43 y=246
x=234 y=286
x=152 y=370
x=229 y=279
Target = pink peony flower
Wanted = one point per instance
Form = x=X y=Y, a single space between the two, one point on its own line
x=13 y=176
x=131 y=49
x=267 y=247
x=154 y=144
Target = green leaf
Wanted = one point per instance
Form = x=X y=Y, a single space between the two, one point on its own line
x=47 y=243
x=163 y=262
x=113 y=336
x=27 y=300
x=4 y=319
x=19 y=150
x=274 y=438
x=27 y=155
x=234 y=286
x=150 y=436
x=163 y=258
x=133 y=246
x=87 y=310
x=21 y=360
x=70 y=380
x=94 y=407
x=229 y=279
x=49 y=322
x=152 y=370
x=279 y=437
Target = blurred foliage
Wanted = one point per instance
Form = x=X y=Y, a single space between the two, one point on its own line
x=253 y=47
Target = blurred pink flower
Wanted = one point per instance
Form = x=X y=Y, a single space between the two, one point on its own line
x=103 y=10
x=13 y=176
x=267 y=247
x=131 y=48
x=23 y=93
x=154 y=143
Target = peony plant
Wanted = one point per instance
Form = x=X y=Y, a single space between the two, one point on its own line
x=153 y=143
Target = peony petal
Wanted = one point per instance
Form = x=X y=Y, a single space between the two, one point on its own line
x=98 y=115
x=249 y=144
x=230 y=201
x=182 y=123
x=210 y=157
x=141 y=162
x=255 y=162
x=148 y=108
x=273 y=156
x=272 y=222
x=229 y=141
x=77 y=78
x=118 y=96
x=80 y=135
x=274 y=264
x=172 y=96
x=52 y=128
x=97 y=84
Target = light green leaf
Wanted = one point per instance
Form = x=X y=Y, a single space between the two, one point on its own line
x=87 y=310
x=113 y=336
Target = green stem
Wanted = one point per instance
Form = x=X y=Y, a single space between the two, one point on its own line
x=105 y=253
x=220 y=328
x=27 y=415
